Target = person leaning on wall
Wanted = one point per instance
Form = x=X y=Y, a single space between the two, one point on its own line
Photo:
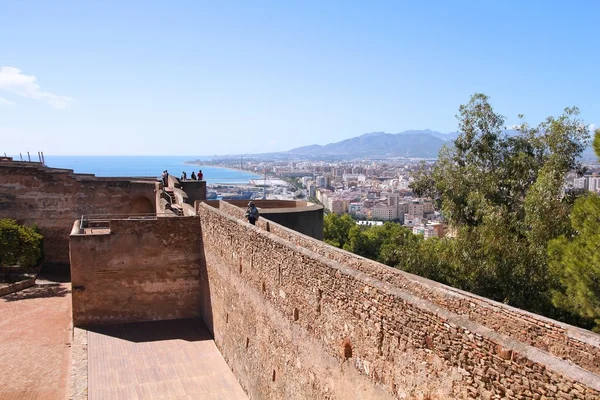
x=252 y=213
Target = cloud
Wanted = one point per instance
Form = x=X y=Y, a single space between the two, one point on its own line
x=13 y=81
x=4 y=102
x=593 y=127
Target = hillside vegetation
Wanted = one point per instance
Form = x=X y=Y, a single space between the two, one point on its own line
x=521 y=239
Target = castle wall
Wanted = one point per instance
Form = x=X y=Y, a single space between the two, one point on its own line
x=568 y=342
x=137 y=270
x=53 y=198
x=292 y=323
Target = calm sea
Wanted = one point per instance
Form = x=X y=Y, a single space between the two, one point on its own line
x=147 y=166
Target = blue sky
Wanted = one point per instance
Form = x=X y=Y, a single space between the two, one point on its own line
x=204 y=78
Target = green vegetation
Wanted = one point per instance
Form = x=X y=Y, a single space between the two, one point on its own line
x=19 y=245
x=519 y=237
x=575 y=259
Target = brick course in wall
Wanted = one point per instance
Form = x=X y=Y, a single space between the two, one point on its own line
x=277 y=296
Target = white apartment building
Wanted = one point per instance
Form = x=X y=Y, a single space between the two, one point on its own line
x=594 y=184
x=580 y=183
x=588 y=182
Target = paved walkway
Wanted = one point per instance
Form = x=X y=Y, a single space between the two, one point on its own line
x=158 y=360
x=34 y=342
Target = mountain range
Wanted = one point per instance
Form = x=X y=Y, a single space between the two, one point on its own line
x=410 y=144
x=414 y=143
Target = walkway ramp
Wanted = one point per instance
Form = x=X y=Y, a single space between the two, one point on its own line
x=158 y=360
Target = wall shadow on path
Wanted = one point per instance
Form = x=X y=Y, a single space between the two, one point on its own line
x=55 y=272
x=39 y=292
x=189 y=330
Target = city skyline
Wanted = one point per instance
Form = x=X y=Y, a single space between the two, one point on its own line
x=202 y=79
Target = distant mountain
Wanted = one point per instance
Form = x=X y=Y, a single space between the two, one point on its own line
x=414 y=143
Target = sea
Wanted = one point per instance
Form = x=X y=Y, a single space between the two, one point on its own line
x=147 y=166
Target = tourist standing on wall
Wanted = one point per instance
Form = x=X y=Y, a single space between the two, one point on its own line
x=252 y=213
x=193 y=177
x=200 y=175
x=183 y=176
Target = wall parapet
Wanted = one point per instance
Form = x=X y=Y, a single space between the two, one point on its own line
x=393 y=333
x=578 y=345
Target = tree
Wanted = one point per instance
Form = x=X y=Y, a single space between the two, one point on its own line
x=18 y=245
x=336 y=229
x=575 y=259
x=503 y=193
x=368 y=241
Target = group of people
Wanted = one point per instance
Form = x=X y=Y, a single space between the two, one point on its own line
x=251 y=212
x=165 y=177
x=193 y=177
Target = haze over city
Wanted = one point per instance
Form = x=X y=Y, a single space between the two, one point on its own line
x=205 y=78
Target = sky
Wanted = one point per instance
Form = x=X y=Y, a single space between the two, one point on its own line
x=242 y=77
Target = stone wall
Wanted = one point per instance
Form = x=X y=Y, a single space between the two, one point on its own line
x=53 y=198
x=294 y=324
x=195 y=190
x=140 y=270
x=580 y=346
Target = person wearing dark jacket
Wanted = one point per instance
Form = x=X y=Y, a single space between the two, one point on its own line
x=252 y=213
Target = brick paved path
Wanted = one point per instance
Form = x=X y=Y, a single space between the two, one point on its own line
x=163 y=359
x=34 y=342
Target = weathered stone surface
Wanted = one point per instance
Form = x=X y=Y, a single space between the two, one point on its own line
x=294 y=317
x=297 y=309
x=142 y=270
x=53 y=198
x=562 y=340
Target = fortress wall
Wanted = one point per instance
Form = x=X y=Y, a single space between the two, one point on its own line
x=562 y=340
x=53 y=198
x=142 y=270
x=294 y=324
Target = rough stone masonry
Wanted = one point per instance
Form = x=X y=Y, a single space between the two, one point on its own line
x=294 y=317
